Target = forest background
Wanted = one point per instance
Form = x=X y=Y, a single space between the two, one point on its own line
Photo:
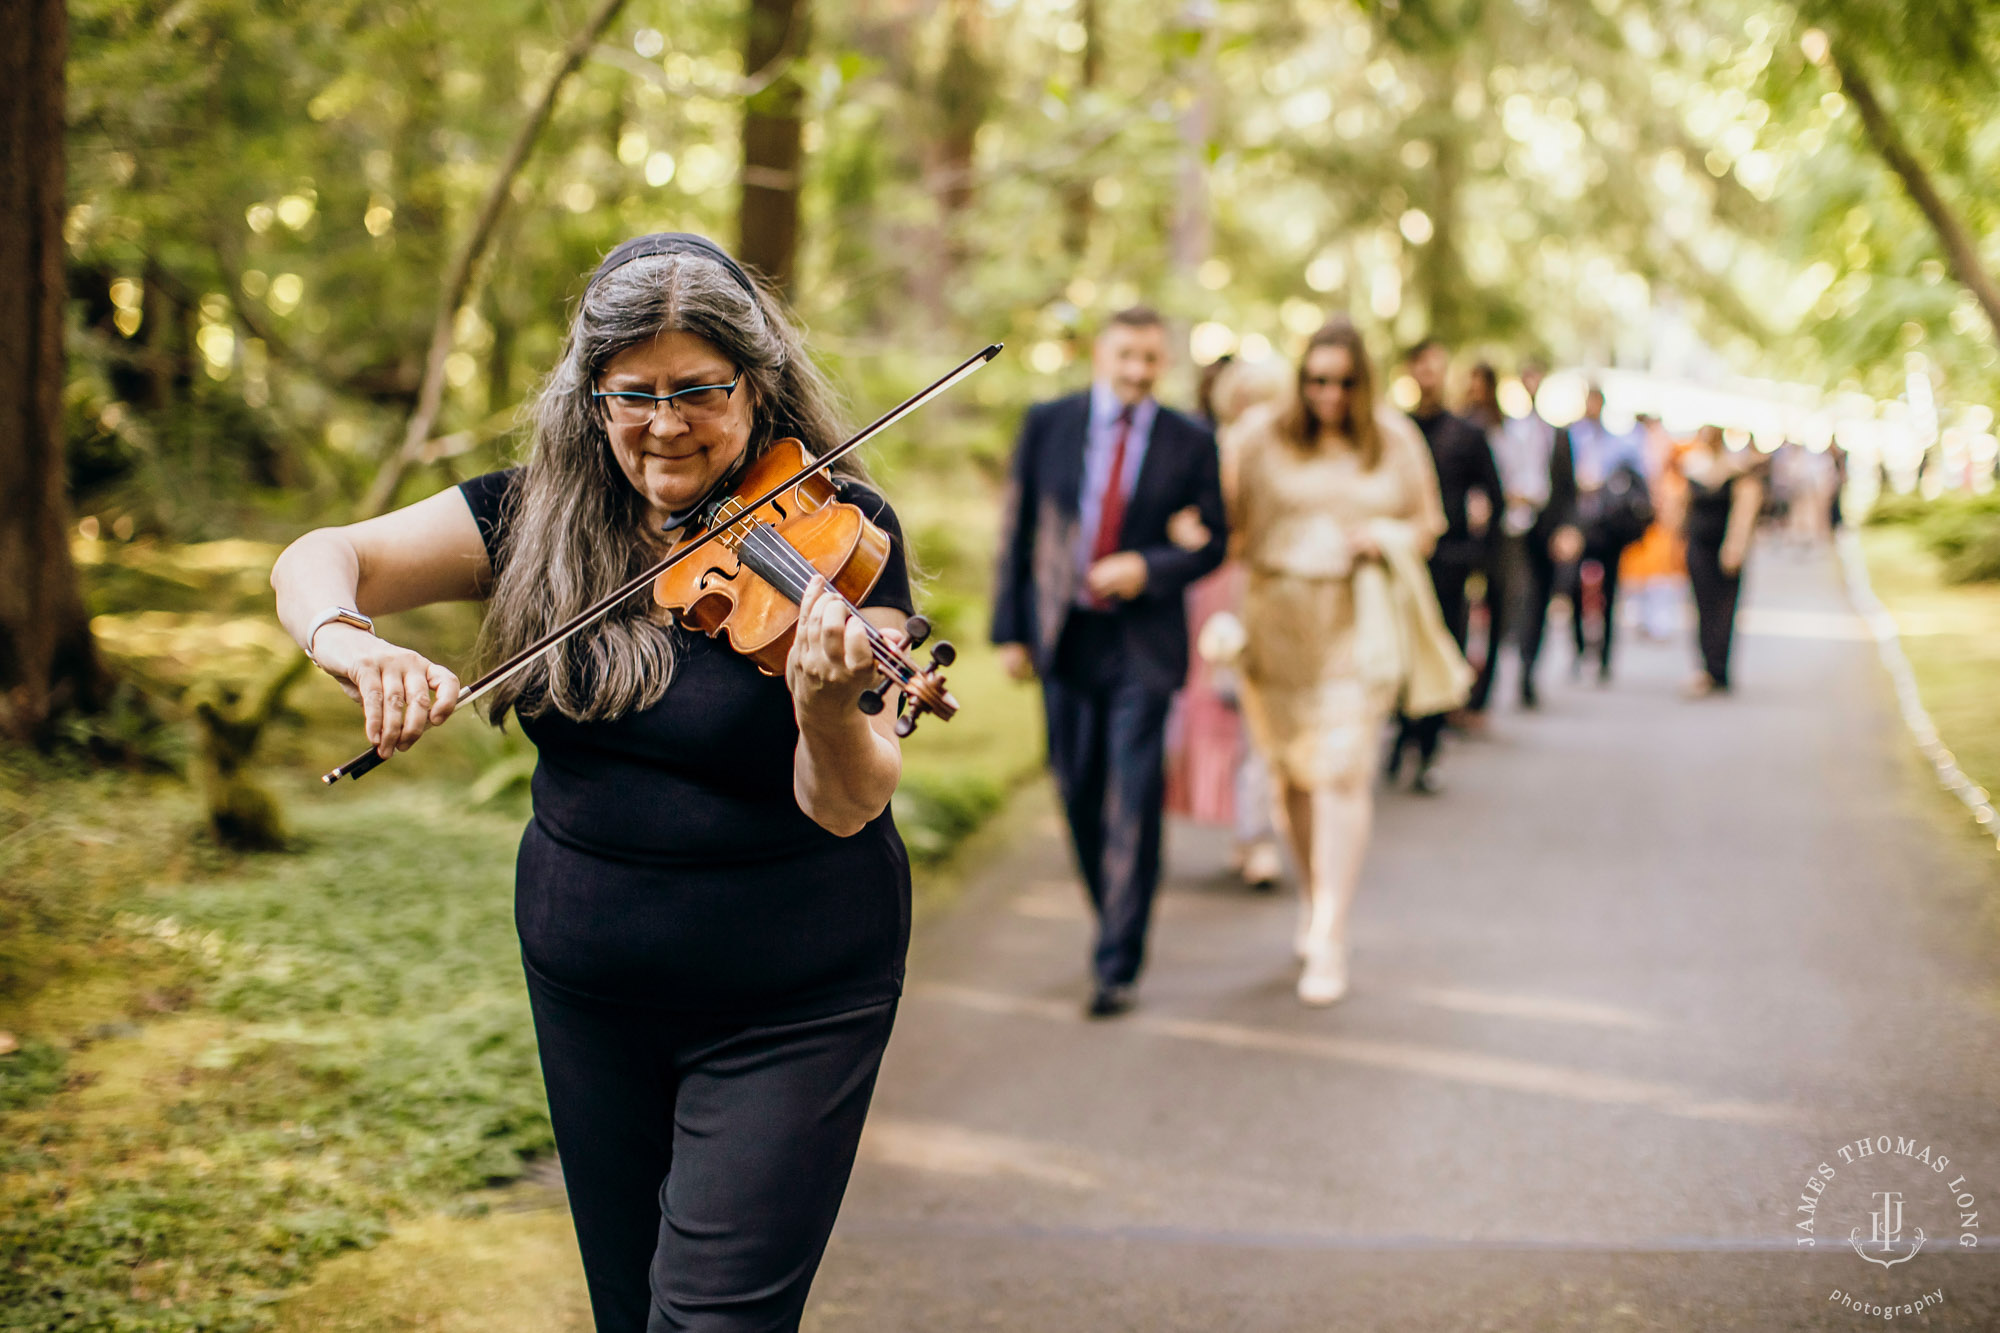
x=270 y=265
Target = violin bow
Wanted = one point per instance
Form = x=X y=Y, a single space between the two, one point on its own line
x=369 y=759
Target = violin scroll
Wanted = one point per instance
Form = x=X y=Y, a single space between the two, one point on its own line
x=924 y=691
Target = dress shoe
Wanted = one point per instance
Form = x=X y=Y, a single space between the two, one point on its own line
x=1109 y=1002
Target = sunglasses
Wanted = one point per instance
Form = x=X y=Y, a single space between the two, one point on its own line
x=1345 y=383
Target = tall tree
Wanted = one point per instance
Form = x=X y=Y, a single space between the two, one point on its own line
x=465 y=263
x=47 y=661
x=768 y=223
x=1076 y=199
x=1960 y=250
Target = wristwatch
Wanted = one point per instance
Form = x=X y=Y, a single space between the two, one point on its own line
x=335 y=614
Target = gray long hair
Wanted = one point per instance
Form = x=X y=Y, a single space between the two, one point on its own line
x=576 y=528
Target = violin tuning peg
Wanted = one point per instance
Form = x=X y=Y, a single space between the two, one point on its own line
x=943 y=655
x=906 y=724
x=871 y=700
x=918 y=628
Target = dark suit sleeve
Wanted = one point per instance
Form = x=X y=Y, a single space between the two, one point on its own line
x=1562 y=481
x=1489 y=479
x=1013 y=589
x=1169 y=569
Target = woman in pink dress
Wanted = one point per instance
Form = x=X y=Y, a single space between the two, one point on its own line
x=1214 y=775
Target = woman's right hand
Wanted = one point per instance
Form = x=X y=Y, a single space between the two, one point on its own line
x=402 y=693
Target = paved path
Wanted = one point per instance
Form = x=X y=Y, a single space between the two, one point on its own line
x=1643 y=968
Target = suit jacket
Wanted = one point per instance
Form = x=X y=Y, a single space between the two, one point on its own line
x=1038 y=576
x=1561 y=508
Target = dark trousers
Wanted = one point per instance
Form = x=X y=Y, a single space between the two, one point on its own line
x=1108 y=748
x=1607 y=558
x=705 y=1159
x=1448 y=575
x=1502 y=592
x=1715 y=594
x=1539 y=576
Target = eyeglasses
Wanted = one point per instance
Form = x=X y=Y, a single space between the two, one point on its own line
x=694 y=405
x=1345 y=383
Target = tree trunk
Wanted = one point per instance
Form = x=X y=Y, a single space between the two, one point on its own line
x=961 y=97
x=1077 y=203
x=768 y=221
x=1192 y=224
x=458 y=278
x=47 y=661
x=1959 y=249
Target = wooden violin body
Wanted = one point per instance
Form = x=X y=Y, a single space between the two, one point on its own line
x=718 y=598
x=721 y=593
x=744 y=582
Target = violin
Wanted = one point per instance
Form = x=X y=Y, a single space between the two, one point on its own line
x=750 y=562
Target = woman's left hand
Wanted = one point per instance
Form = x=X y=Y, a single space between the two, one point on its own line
x=831 y=662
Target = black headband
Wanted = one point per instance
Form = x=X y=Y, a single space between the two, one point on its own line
x=672 y=243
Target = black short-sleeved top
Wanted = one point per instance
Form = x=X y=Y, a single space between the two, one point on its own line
x=668 y=863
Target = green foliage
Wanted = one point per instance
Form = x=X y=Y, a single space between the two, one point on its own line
x=1962 y=531
x=362 y=1047
x=30 y=1075
x=935 y=814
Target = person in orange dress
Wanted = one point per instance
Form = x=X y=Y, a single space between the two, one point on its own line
x=1655 y=566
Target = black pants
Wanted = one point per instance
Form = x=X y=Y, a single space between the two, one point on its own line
x=1607 y=558
x=1108 y=748
x=1540 y=572
x=1715 y=594
x=705 y=1159
x=1448 y=575
x=1502 y=592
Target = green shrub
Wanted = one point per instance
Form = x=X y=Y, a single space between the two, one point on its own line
x=1962 y=531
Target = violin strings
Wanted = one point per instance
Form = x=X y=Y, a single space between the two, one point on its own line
x=783 y=565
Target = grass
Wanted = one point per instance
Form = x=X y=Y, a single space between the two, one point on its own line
x=1951 y=634
x=235 y=1070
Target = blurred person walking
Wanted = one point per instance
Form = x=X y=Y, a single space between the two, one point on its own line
x=1090 y=598
x=1653 y=571
x=1613 y=507
x=1336 y=508
x=1469 y=489
x=1538 y=476
x=1214 y=774
x=1725 y=493
x=1505 y=565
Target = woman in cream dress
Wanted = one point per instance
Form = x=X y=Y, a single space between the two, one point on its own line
x=1322 y=488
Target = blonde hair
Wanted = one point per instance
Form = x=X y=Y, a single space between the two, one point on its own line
x=1243 y=385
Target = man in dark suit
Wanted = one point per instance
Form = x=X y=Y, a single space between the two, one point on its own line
x=1469 y=487
x=1541 y=485
x=1089 y=598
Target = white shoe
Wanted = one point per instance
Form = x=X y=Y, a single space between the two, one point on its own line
x=1324 y=980
x=1262 y=867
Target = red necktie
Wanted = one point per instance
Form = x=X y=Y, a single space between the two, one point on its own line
x=1111 y=504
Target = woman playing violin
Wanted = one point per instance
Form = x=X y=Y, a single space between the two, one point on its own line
x=712 y=898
